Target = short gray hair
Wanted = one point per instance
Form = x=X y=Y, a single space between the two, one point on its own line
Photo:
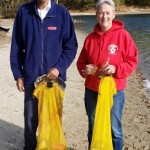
x=109 y=2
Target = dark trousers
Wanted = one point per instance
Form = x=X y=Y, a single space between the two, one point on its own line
x=30 y=118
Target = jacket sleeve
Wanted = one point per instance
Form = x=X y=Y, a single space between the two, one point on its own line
x=82 y=61
x=130 y=59
x=17 y=47
x=69 y=44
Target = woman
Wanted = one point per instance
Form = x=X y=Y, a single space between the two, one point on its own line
x=109 y=50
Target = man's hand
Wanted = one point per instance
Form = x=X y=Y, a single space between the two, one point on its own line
x=53 y=73
x=20 y=84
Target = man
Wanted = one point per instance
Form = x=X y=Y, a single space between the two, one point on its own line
x=43 y=42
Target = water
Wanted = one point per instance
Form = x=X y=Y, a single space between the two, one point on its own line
x=139 y=28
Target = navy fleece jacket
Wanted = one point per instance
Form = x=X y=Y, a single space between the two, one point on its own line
x=38 y=45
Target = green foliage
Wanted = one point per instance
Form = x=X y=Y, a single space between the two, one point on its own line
x=8 y=8
x=78 y=4
x=141 y=3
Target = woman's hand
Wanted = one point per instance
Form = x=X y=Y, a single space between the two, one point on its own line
x=109 y=69
x=90 y=69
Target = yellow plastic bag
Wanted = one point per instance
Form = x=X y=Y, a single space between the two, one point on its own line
x=50 y=132
x=102 y=138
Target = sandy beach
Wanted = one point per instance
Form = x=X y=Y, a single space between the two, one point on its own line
x=136 y=116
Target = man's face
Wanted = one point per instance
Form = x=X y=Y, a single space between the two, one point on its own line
x=42 y=1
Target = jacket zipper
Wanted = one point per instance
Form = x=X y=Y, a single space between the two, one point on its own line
x=42 y=47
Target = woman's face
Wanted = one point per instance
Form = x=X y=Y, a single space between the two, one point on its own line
x=105 y=15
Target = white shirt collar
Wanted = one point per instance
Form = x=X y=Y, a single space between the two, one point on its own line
x=43 y=12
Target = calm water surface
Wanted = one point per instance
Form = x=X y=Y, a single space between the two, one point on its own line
x=139 y=28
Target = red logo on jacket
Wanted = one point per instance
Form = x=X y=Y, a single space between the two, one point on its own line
x=52 y=28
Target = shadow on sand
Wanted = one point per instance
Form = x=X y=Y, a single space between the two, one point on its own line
x=11 y=136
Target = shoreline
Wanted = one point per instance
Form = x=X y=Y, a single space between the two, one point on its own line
x=123 y=10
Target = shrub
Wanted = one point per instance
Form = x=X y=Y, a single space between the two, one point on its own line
x=9 y=7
